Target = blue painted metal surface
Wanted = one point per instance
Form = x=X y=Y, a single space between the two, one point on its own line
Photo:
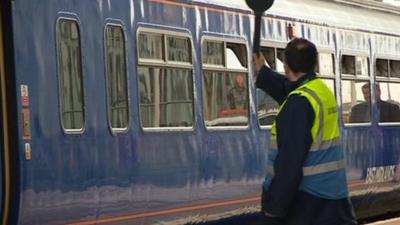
x=95 y=175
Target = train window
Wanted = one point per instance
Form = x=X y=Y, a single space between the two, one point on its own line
x=387 y=68
x=274 y=57
x=225 y=90
x=117 y=91
x=178 y=49
x=233 y=52
x=395 y=68
x=348 y=65
x=382 y=68
x=213 y=53
x=394 y=93
x=150 y=46
x=269 y=55
x=356 y=107
x=166 y=89
x=326 y=64
x=388 y=102
x=362 y=66
x=267 y=107
x=355 y=65
x=325 y=68
x=280 y=55
x=70 y=69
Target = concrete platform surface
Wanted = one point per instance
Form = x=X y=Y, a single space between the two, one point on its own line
x=394 y=221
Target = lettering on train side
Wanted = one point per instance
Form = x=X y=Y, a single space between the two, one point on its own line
x=380 y=174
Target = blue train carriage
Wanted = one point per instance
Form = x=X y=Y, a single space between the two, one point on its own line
x=145 y=112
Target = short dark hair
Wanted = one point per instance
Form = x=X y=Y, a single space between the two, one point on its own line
x=301 y=55
x=368 y=85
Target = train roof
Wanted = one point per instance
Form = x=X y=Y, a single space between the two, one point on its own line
x=352 y=14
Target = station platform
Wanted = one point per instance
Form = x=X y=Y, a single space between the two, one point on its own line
x=394 y=221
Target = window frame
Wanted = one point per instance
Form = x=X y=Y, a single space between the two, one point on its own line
x=165 y=63
x=275 y=45
x=120 y=25
x=389 y=79
x=327 y=51
x=240 y=40
x=389 y=58
x=73 y=18
x=355 y=77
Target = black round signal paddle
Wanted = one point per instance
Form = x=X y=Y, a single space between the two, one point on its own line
x=259 y=7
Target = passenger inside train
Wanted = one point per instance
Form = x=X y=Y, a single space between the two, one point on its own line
x=237 y=96
x=387 y=111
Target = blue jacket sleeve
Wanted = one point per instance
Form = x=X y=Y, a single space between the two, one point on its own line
x=273 y=83
x=293 y=126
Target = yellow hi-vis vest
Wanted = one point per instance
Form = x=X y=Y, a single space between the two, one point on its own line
x=324 y=168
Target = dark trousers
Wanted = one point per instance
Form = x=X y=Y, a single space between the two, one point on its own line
x=311 y=210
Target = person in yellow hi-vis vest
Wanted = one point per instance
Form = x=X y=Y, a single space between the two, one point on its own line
x=305 y=181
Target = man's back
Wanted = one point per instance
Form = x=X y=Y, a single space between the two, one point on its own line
x=389 y=112
x=360 y=113
x=305 y=160
x=291 y=123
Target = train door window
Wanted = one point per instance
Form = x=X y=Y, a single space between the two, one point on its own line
x=356 y=100
x=117 y=91
x=165 y=81
x=395 y=68
x=70 y=70
x=225 y=84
